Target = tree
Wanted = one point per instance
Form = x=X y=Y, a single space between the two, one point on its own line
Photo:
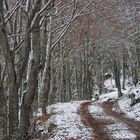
x=58 y=51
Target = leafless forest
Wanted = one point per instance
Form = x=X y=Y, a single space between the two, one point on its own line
x=59 y=50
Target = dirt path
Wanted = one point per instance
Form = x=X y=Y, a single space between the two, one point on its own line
x=96 y=125
x=99 y=125
x=133 y=125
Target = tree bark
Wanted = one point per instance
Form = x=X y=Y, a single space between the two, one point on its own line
x=3 y=117
x=45 y=83
x=11 y=82
x=32 y=78
x=116 y=71
x=124 y=72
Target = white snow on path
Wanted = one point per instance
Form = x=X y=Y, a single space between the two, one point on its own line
x=68 y=122
x=97 y=111
x=118 y=130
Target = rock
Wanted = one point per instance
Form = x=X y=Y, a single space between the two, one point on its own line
x=51 y=127
x=135 y=101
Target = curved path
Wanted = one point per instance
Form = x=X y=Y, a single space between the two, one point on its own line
x=96 y=125
x=99 y=125
x=133 y=125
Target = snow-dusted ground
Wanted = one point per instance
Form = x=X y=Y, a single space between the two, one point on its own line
x=68 y=122
x=130 y=111
x=118 y=130
x=97 y=111
x=125 y=101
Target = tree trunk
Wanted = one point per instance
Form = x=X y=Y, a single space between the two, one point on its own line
x=3 y=120
x=134 y=74
x=124 y=72
x=11 y=82
x=138 y=56
x=32 y=78
x=116 y=71
x=62 y=72
x=45 y=84
x=68 y=82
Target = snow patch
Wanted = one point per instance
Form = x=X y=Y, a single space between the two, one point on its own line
x=68 y=122
x=130 y=111
x=106 y=96
x=97 y=112
x=123 y=133
x=118 y=130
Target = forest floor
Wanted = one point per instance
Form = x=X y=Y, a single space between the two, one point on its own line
x=91 y=120
x=109 y=118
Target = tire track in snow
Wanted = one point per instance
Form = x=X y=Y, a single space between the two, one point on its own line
x=133 y=125
x=97 y=126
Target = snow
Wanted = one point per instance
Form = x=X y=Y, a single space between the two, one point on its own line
x=120 y=131
x=135 y=90
x=38 y=113
x=109 y=84
x=97 y=111
x=124 y=102
x=107 y=96
x=68 y=122
x=130 y=111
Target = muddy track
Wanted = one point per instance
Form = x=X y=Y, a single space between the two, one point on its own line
x=133 y=125
x=96 y=125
